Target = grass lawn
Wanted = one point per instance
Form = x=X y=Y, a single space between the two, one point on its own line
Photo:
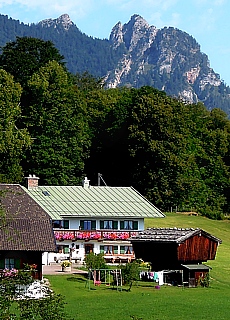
x=147 y=303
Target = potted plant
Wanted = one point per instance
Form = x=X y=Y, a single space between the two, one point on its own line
x=66 y=266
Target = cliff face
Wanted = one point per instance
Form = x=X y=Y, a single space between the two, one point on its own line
x=168 y=59
x=136 y=37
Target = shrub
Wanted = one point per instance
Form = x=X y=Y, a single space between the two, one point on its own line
x=49 y=307
x=95 y=261
x=130 y=273
x=66 y=263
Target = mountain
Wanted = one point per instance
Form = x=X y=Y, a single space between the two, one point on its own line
x=167 y=59
x=136 y=54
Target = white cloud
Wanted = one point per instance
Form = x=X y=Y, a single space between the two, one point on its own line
x=52 y=8
x=210 y=3
x=219 y=2
x=156 y=19
x=145 y=4
x=175 y=20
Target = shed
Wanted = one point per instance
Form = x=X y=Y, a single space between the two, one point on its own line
x=193 y=274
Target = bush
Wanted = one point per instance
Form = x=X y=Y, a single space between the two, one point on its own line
x=66 y=263
x=47 y=308
x=95 y=261
x=131 y=273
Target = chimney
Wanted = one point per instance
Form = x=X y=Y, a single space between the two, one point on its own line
x=85 y=183
x=32 y=181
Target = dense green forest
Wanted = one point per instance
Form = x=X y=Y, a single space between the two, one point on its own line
x=62 y=127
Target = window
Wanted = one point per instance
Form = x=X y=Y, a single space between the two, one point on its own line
x=108 y=224
x=46 y=193
x=109 y=249
x=88 y=224
x=61 y=224
x=129 y=225
x=126 y=249
x=63 y=249
x=9 y=263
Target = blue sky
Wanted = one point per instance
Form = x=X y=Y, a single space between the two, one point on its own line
x=208 y=21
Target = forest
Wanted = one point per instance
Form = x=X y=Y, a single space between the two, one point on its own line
x=63 y=127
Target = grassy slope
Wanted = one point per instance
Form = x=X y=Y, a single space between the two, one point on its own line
x=144 y=301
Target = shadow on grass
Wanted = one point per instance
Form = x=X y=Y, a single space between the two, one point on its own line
x=83 y=278
x=77 y=279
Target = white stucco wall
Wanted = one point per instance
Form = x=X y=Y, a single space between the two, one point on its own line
x=79 y=252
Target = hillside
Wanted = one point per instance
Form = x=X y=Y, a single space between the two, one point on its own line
x=135 y=55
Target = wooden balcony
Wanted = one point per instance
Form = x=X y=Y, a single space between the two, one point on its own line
x=119 y=258
x=99 y=235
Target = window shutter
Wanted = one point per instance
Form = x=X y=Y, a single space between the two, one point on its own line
x=101 y=249
x=93 y=224
x=17 y=263
x=115 y=249
x=66 y=250
x=82 y=224
x=122 y=225
x=122 y=249
x=66 y=224
x=135 y=225
x=115 y=224
x=2 y=264
x=101 y=224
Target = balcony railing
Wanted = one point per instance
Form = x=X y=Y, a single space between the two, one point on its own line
x=92 y=235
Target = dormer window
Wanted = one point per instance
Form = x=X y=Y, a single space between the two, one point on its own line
x=46 y=193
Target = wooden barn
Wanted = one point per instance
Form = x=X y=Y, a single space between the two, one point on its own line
x=177 y=250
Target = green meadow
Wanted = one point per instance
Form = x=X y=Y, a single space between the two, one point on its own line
x=144 y=301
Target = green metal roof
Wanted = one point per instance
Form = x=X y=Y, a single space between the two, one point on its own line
x=93 y=201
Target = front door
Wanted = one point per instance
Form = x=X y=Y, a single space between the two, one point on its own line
x=89 y=248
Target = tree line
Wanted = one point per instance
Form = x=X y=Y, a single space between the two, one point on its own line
x=62 y=127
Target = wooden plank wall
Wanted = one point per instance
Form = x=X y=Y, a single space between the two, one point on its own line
x=197 y=248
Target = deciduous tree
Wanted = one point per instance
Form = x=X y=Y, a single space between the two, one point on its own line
x=56 y=120
x=13 y=141
x=26 y=55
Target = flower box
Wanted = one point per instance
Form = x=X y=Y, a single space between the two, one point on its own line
x=66 y=269
x=66 y=265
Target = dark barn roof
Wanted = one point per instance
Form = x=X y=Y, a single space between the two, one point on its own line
x=26 y=226
x=177 y=235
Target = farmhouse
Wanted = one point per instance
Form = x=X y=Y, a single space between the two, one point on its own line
x=25 y=230
x=98 y=219
x=178 y=252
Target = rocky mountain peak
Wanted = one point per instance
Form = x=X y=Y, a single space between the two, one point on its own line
x=137 y=22
x=116 y=35
x=63 y=20
x=136 y=33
